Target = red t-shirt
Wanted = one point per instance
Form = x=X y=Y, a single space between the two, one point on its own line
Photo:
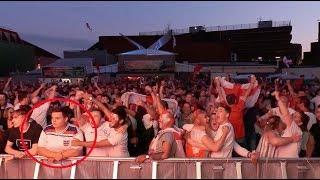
x=236 y=119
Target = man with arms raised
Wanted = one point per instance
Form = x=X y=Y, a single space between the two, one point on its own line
x=114 y=138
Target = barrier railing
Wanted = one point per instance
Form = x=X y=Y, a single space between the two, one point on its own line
x=98 y=167
x=217 y=28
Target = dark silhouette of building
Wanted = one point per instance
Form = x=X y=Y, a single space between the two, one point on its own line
x=313 y=57
x=263 y=41
x=18 y=55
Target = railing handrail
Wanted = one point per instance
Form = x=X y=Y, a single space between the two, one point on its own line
x=218 y=28
x=172 y=159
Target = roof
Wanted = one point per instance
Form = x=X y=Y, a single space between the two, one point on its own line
x=148 y=52
x=72 y=62
x=41 y=52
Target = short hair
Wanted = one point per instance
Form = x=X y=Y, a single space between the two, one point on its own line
x=60 y=109
x=231 y=99
x=23 y=110
x=225 y=107
x=22 y=95
x=305 y=101
x=121 y=112
x=273 y=122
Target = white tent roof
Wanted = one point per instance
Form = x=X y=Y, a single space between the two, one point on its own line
x=147 y=52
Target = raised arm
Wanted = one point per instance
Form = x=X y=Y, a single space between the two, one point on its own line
x=221 y=94
x=248 y=91
x=101 y=106
x=6 y=87
x=156 y=98
x=37 y=91
x=286 y=117
x=216 y=146
x=292 y=93
x=281 y=141
x=99 y=89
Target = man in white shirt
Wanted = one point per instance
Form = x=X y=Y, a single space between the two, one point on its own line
x=55 y=140
x=261 y=122
x=114 y=138
x=291 y=150
x=204 y=141
x=304 y=107
x=222 y=115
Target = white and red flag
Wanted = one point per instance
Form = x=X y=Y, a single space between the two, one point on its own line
x=240 y=89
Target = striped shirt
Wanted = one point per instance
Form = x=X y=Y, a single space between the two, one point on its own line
x=266 y=149
x=54 y=141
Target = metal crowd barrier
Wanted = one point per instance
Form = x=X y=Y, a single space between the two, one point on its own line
x=126 y=168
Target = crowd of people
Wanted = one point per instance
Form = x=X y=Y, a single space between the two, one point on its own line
x=160 y=118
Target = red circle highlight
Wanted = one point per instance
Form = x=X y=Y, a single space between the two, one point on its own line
x=64 y=100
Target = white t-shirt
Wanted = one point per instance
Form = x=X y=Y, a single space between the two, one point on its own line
x=275 y=112
x=312 y=119
x=119 y=142
x=89 y=134
x=57 y=142
x=226 y=151
x=291 y=150
x=316 y=101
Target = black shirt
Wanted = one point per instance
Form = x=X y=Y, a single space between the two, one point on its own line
x=315 y=132
x=30 y=137
x=3 y=140
x=250 y=119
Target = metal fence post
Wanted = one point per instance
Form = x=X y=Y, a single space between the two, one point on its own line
x=36 y=171
x=115 y=170
x=198 y=170
x=73 y=170
x=283 y=165
x=154 y=169
x=238 y=168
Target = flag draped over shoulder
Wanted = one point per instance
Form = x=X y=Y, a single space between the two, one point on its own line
x=240 y=90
